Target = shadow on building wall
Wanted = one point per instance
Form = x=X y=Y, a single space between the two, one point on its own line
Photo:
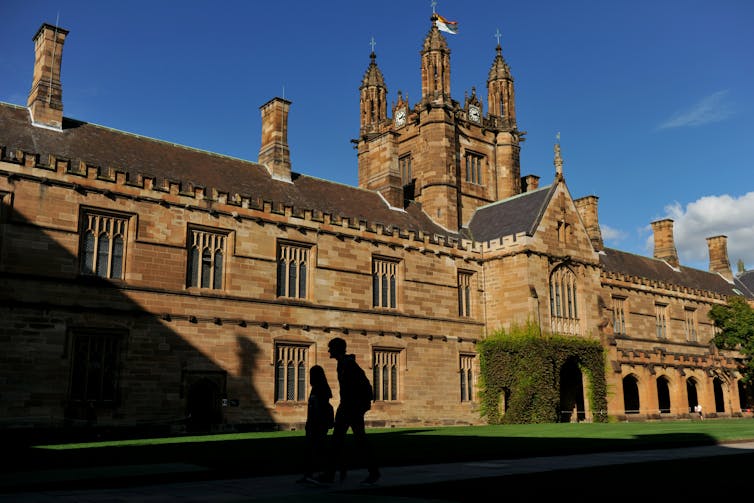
x=80 y=354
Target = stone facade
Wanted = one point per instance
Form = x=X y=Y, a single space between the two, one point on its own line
x=147 y=283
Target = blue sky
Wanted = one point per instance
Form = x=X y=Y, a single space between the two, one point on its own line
x=653 y=99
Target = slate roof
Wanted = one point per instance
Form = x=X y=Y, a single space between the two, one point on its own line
x=137 y=155
x=617 y=261
x=746 y=280
x=519 y=213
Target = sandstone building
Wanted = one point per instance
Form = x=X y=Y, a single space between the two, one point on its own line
x=143 y=282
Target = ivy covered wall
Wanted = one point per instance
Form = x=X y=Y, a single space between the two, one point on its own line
x=522 y=368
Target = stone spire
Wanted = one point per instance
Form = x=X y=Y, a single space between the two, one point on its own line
x=558 y=160
x=435 y=64
x=373 y=101
x=500 y=93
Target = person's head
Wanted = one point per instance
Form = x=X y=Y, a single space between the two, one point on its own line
x=317 y=375
x=336 y=347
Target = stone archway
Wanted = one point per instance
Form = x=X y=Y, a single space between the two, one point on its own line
x=692 y=393
x=572 y=408
x=717 y=385
x=663 y=395
x=631 y=402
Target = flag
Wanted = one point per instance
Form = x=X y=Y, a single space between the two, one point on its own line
x=445 y=25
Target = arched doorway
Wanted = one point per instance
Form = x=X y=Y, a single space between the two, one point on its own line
x=744 y=396
x=571 y=392
x=631 y=403
x=663 y=395
x=691 y=393
x=717 y=386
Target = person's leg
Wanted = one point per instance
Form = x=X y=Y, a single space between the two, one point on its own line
x=334 y=457
x=365 y=447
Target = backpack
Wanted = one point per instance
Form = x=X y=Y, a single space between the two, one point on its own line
x=366 y=393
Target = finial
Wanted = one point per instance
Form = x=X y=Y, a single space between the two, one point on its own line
x=372 y=43
x=558 y=158
x=497 y=35
x=434 y=4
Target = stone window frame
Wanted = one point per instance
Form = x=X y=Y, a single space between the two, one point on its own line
x=661 y=320
x=385 y=282
x=466 y=376
x=291 y=367
x=206 y=252
x=406 y=169
x=103 y=245
x=95 y=356
x=465 y=280
x=300 y=256
x=474 y=165
x=564 y=310
x=619 y=315
x=690 y=324
x=386 y=378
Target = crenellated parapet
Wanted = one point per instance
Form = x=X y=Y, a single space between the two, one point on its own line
x=117 y=183
x=652 y=286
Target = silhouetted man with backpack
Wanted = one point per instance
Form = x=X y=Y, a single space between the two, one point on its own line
x=355 y=400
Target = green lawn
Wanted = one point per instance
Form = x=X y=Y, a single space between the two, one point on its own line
x=255 y=454
x=281 y=452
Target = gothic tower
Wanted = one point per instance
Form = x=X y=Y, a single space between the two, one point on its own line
x=447 y=156
x=378 y=162
x=502 y=114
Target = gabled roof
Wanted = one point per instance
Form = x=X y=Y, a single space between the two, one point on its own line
x=619 y=262
x=137 y=155
x=746 y=281
x=519 y=213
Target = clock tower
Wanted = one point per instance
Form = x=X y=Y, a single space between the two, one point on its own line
x=449 y=157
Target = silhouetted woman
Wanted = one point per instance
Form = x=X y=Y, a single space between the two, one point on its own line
x=319 y=420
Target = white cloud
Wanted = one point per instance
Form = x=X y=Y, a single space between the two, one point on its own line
x=713 y=108
x=611 y=234
x=714 y=216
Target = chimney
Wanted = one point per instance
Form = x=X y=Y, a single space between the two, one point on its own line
x=718 y=256
x=664 y=243
x=46 y=96
x=274 y=153
x=587 y=207
x=529 y=183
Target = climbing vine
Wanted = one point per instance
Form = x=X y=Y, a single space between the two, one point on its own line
x=521 y=368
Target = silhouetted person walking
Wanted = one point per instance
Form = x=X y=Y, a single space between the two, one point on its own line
x=319 y=420
x=355 y=401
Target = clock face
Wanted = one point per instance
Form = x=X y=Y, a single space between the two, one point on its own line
x=400 y=117
x=474 y=114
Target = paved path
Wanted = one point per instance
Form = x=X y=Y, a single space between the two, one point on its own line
x=284 y=487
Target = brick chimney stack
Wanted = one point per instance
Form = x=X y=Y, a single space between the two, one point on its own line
x=664 y=242
x=274 y=152
x=529 y=183
x=587 y=207
x=46 y=96
x=718 y=256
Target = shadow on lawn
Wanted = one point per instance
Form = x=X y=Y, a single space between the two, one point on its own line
x=225 y=459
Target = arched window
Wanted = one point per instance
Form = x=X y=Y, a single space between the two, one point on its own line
x=564 y=312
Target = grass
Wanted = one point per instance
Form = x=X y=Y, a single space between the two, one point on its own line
x=254 y=454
